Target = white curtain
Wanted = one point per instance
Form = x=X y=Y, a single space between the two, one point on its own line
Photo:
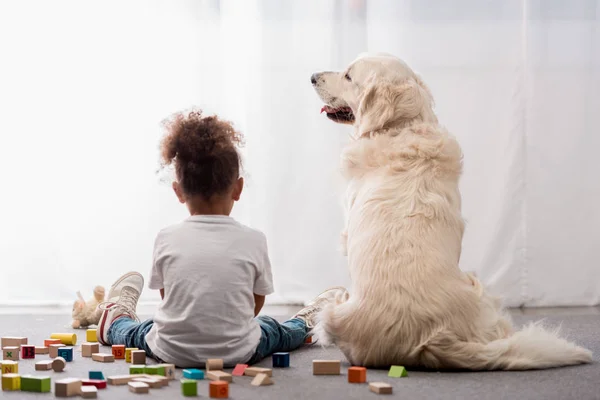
x=84 y=86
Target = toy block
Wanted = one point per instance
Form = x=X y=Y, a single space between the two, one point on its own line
x=239 y=370
x=138 y=387
x=87 y=349
x=39 y=384
x=218 y=390
x=45 y=365
x=69 y=339
x=138 y=357
x=397 y=371
x=128 y=351
x=326 y=367
x=13 y=342
x=118 y=380
x=253 y=371
x=380 y=388
x=214 y=364
x=98 y=383
x=66 y=353
x=153 y=383
x=193 y=374
x=88 y=392
x=137 y=369
x=42 y=350
x=11 y=382
x=308 y=340
x=67 y=387
x=59 y=364
x=102 y=357
x=164 y=381
x=357 y=375
x=10 y=367
x=219 y=376
x=53 y=350
x=189 y=387
x=118 y=350
x=91 y=335
x=48 y=342
x=281 y=360
x=169 y=370
x=261 y=380
x=27 y=351
x=99 y=375
x=11 y=353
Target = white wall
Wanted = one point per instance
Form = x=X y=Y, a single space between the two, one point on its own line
x=84 y=87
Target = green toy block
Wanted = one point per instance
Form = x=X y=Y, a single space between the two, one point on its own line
x=397 y=371
x=39 y=384
x=154 y=370
x=137 y=369
x=160 y=370
x=189 y=387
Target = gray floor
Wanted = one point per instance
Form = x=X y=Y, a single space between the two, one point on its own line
x=582 y=382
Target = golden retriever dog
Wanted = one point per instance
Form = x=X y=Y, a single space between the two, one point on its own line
x=410 y=304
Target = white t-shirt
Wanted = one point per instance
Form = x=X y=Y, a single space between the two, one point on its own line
x=210 y=266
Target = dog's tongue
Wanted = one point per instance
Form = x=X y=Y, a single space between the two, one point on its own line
x=328 y=109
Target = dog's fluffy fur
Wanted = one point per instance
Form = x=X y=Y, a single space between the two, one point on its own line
x=410 y=304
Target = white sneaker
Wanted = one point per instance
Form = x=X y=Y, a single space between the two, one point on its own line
x=308 y=314
x=122 y=302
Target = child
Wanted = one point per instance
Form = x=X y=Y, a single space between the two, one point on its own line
x=213 y=273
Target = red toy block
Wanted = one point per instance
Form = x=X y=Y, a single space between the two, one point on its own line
x=118 y=351
x=27 y=351
x=239 y=370
x=100 y=384
x=357 y=374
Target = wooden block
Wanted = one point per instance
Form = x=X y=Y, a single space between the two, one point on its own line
x=189 y=387
x=169 y=370
x=119 y=379
x=128 y=351
x=11 y=353
x=214 y=364
x=10 y=367
x=219 y=376
x=42 y=350
x=37 y=384
x=66 y=353
x=397 y=371
x=11 y=341
x=59 y=364
x=152 y=382
x=96 y=375
x=281 y=360
x=11 y=382
x=138 y=357
x=102 y=357
x=308 y=340
x=239 y=370
x=193 y=373
x=91 y=335
x=69 y=339
x=97 y=383
x=218 y=390
x=87 y=349
x=164 y=381
x=27 y=351
x=53 y=350
x=326 y=367
x=67 y=387
x=138 y=387
x=261 y=380
x=89 y=392
x=137 y=369
x=357 y=375
x=118 y=350
x=45 y=365
x=380 y=388
x=253 y=371
x=48 y=342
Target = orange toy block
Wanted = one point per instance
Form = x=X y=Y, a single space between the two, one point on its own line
x=357 y=374
x=218 y=390
x=118 y=350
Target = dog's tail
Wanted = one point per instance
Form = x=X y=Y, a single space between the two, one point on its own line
x=531 y=348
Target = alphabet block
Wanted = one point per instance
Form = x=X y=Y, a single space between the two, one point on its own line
x=118 y=351
x=281 y=360
x=218 y=390
x=39 y=384
x=128 y=351
x=138 y=357
x=53 y=350
x=193 y=374
x=11 y=353
x=169 y=370
x=87 y=349
x=67 y=387
x=189 y=387
x=11 y=382
x=10 y=367
x=137 y=369
x=91 y=335
x=66 y=353
x=27 y=352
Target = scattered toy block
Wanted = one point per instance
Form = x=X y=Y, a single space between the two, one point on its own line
x=357 y=375
x=239 y=370
x=42 y=350
x=11 y=382
x=169 y=370
x=67 y=387
x=189 y=387
x=326 y=367
x=253 y=371
x=59 y=364
x=27 y=351
x=88 y=391
x=164 y=381
x=10 y=367
x=69 y=339
x=87 y=349
x=53 y=350
x=138 y=357
x=128 y=351
x=138 y=387
x=45 y=365
x=261 y=380
x=10 y=353
x=308 y=340
x=66 y=353
x=102 y=357
x=281 y=360
x=118 y=350
x=10 y=341
x=48 y=342
x=380 y=388
x=193 y=373
x=119 y=380
x=38 y=384
x=214 y=364
x=152 y=382
x=219 y=376
x=397 y=371
x=137 y=369
x=99 y=375
x=91 y=335
x=218 y=390
x=98 y=383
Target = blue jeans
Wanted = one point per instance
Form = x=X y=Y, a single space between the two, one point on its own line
x=275 y=336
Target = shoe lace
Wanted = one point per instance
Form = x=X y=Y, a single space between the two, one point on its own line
x=127 y=302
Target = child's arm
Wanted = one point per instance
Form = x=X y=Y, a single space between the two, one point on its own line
x=259 y=302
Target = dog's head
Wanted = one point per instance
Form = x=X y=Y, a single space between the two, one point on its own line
x=376 y=91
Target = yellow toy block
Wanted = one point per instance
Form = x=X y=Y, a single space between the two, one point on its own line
x=11 y=382
x=69 y=339
x=128 y=351
x=91 y=336
x=10 y=367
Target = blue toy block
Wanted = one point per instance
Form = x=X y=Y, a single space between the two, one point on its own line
x=193 y=374
x=66 y=353
x=96 y=375
x=281 y=360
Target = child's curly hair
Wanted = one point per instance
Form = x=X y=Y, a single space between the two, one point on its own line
x=204 y=152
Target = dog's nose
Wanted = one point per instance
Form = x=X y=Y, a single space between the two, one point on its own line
x=313 y=79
